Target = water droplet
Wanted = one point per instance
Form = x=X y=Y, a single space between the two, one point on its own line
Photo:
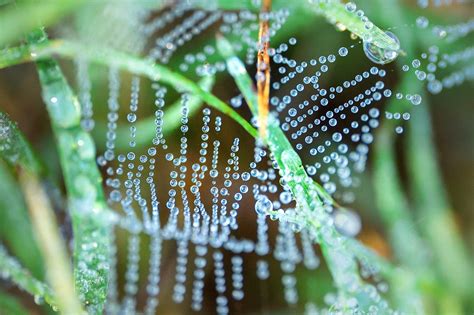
x=422 y=22
x=343 y=51
x=379 y=55
x=263 y=205
x=39 y=300
x=347 y=222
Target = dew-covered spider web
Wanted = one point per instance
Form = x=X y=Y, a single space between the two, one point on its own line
x=204 y=217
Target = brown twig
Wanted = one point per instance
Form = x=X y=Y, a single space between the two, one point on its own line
x=263 y=68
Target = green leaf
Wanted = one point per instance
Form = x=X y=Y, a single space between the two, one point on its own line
x=336 y=12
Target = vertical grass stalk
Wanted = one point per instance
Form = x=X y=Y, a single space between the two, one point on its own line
x=91 y=219
x=58 y=267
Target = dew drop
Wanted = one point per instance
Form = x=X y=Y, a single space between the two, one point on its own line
x=347 y=222
x=422 y=22
x=263 y=205
x=379 y=55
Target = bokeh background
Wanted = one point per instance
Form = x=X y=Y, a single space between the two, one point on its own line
x=452 y=122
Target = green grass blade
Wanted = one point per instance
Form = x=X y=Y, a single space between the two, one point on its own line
x=402 y=231
x=135 y=65
x=237 y=70
x=15 y=149
x=15 y=227
x=432 y=202
x=19 y=19
x=429 y=195
x=12 y=270
x=91 y=218
x=393 y=205
x=53 y=249
x=333 y=10
x=245 y=84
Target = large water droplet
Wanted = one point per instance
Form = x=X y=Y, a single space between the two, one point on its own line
x=347 y=222
x=263 y=205
x=380 y=55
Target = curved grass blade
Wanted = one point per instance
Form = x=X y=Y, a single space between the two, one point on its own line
x=338 y=13
x=245 y=84
x=11 y=269
x=334 y=11
x=135 y=65
x=16 y=21
x=91 y=218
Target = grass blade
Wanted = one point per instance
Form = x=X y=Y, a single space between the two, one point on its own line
x=15 y=226
x=333 y=10
x=91 y=218
x=431 y=200
x=18 y=20
x=59 y=271
x=11 y=269
x=337 y=12
x=15 y=149
x=134 y=65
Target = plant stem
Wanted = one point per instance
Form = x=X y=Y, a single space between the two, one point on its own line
x=263 y=68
